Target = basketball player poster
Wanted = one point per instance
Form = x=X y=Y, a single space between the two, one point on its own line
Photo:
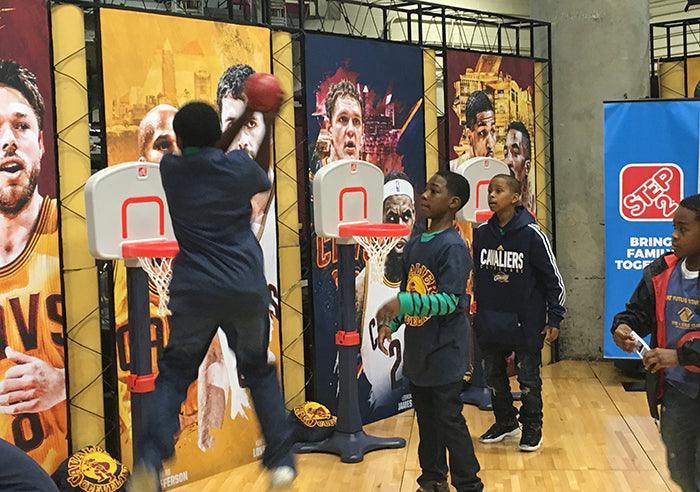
x=31 y=304
x=152 y=65
x=508 y=83
x=364 y=101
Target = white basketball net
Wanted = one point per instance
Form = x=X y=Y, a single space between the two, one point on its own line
x=377 y=247
x=159 y=271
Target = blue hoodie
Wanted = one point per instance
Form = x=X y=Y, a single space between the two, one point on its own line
x=517 y=286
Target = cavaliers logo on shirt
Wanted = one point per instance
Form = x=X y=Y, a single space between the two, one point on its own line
x=501 y=259
x=501 y=277
x=421 y=281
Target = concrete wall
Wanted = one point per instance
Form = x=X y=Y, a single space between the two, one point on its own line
x=600 y=52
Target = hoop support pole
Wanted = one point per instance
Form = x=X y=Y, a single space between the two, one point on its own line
x=348 y=440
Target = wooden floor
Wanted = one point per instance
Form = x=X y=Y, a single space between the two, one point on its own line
x=597 y=437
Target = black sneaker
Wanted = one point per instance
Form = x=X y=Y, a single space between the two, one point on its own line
x=441 y=487
x=531 y=440
x=497 y=432
x=434 y=487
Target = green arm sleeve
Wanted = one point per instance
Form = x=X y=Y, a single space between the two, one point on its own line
x=427 y=305
x=395 y=323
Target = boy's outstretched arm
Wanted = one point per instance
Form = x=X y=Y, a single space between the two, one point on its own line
x=230 y=132
x=233 y=129
x=545 y=264
x=410 y=303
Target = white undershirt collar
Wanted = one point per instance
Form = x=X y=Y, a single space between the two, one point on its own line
x=688 y=274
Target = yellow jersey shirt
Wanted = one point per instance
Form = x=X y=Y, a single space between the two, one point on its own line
x=160 y=332
x=31 y=322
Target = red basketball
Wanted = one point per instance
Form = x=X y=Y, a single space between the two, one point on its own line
x=264 y=92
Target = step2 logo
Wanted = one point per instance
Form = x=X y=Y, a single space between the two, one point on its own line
x=650 y=192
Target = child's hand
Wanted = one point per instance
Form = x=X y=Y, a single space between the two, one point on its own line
x=622 y=336
x=269 y=116
x=383 y=334
x=385 y=314
x=388 y=311
x=552 y=333
x=659 y=358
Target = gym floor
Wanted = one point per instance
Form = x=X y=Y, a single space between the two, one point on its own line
x=597 y=437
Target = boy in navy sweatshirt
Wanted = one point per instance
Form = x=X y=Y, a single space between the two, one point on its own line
x=432 y=303
x=519 y=298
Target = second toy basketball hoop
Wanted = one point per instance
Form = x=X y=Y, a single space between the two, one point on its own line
x=377 y=240
x=155 y=258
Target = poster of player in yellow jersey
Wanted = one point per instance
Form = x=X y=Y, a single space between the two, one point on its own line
x=152 y=65
x=32 y=367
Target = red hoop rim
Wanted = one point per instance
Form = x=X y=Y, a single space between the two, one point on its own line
x=483 y=215
x=150 y=249
x=373 y=230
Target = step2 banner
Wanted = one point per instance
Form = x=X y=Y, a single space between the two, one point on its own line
x=651 y=164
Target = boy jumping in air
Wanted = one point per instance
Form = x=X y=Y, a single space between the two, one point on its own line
x=217 y=281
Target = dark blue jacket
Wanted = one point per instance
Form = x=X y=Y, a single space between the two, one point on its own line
x=517 y=286
x=219 y=269
x=645 y=315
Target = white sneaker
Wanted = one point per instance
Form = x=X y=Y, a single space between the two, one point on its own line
x=282 y=477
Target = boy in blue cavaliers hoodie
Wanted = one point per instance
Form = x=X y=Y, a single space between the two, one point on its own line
x=519 y=298
x=432 y=303
x=665 y=305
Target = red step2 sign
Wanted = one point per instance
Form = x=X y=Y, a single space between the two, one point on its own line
x=650 y=191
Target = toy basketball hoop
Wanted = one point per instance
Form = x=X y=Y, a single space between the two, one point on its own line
x=155 y=258
x=377 y=240
x=478 y=171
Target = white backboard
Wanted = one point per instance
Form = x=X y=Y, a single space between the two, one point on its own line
x=125 y=203
x=348 y=190
x=478 y=171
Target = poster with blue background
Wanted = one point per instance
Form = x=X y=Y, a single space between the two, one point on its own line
x=364 y=100
x=651 y=163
